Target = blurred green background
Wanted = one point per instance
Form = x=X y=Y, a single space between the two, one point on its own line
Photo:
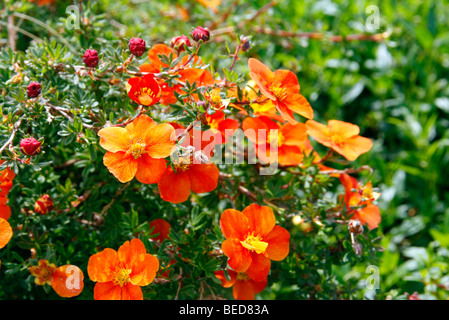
x=396 y=89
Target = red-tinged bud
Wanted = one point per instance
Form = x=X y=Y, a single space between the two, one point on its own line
x=34 y=89
x=200 y=33
x=137 y=46
x=30 y=146
x=90 y=58
x=44 y=204
x=178 y=42
x=355 y=226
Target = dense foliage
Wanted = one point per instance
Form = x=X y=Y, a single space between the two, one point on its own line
x=391 y=81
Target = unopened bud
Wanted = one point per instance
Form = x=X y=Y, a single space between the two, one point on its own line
x=30 y=146
x=34 y=89
x=137 y=46
x=355 y=226
x=178 y=42
x=246 y=43
x=200 y=33
x=90 y=58
x=44 y=204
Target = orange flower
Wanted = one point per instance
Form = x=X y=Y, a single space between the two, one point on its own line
x=138 y=149
x=243 y=287
x=5 y=210
x=357 y=205
x=176 y=184
x=161 y=229
x=6 y=178
x=275 y=143
x=282 y=88
x=191 y=169
x=120 y=274
x=5 y=232
x=343 y=137
x=67 y=280
x=223 y=128
x=252 y=240
x=156 y=65
x=144 y=90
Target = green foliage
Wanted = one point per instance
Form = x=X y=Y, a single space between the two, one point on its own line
x=395 y=89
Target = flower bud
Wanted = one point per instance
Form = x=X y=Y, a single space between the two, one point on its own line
x=30 y=146
x=90 y=58
x=44 y=204
x=137 y=46
x=355 y=226
x=178 y=42
x=34 y=89
x=200 y=33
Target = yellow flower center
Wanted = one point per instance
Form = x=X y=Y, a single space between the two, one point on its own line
x=213 y=124
x=277 y=91
x=121 y=277
x=275 y=138
x=182 y=163
x=254 y=243
x=45 y=274
x=215 y=98
x=242 y=276
x=137 y=148
x=337 y=139
x=146 y=96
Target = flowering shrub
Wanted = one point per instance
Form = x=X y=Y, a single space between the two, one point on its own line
x=146 y=169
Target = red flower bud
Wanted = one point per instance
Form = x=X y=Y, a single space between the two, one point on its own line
x=90 y=58
x=34 y=89
x=178 y=42
x=44 y=204
x=30 y=146
x=137 y=46
x=200 y=33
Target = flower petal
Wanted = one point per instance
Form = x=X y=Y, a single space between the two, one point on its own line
x=144 y=270
x=261 y=219
x=234 y=224
x=5 y=211
x=343 y=129
x=122 y=165
x=297 y=103
x=5 y=232
x=107 y=291
x=294 y=134
x=287 y=79
x=220 y=275
x=174 y=187
x=239 y=257
x=278 y=243
x=352 y=148
x=68 y=281
x=129 y=253
x=259 y=268
x=131 y=292
x=243 y=290
x=101 y=266
x=140 y=127
x=262 y=76
x=203 y=177
x=161 y=141
x=150 y=170
x=369 y=215
x=114 y=139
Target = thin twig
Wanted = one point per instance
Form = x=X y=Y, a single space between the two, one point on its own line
x=13 y=134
